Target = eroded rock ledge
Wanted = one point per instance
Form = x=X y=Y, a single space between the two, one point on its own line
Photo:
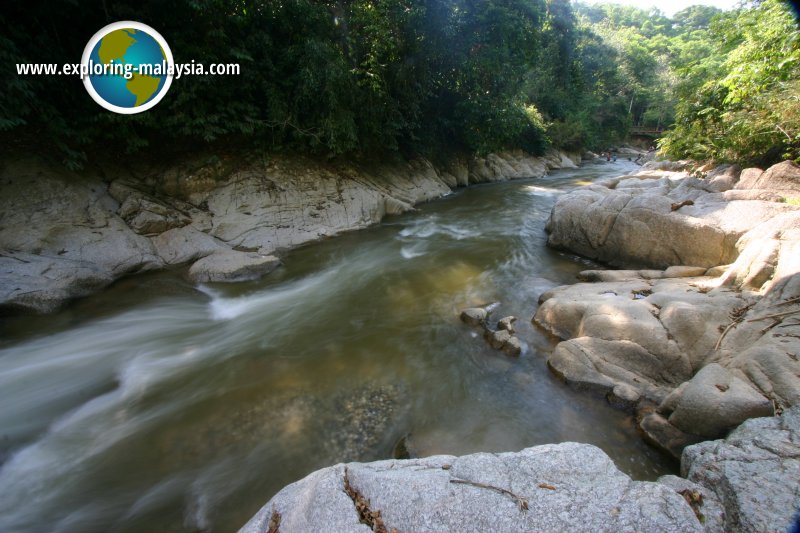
x=709 y=342
x=64 y=235
x=747 y=482
x=564 y=487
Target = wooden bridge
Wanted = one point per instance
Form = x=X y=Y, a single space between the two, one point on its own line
x=647 y=131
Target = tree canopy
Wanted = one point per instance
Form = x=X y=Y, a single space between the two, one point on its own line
x=739 y=98
x=374 y=77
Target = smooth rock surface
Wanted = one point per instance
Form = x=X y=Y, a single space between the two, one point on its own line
x=43 y=283
x=783 y=177
x=230 y=266
x=714 y=401
x=185 y=244
x=709 y=357
x=649 y=334
x=632 y=220
x=566 y=487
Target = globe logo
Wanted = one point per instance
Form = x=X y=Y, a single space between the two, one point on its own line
x=128 y=67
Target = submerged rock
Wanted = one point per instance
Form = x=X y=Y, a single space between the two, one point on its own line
x=361 y=420
x=502 y=338
x=564 y=487
x=475 y=316
x=507 y=324
x=344 y=425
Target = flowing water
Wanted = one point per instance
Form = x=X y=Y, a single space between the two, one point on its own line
x=161 y=406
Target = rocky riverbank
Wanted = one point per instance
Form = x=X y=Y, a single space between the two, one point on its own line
x=701 y=341
x=712 y=337
x=747 y=482
x=65 y=235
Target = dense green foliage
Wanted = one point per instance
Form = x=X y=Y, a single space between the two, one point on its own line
x=740 y=99
x=371 y=77
x=726 y=84
x=331 y=76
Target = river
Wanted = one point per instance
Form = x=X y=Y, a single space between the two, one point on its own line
x=161 y=406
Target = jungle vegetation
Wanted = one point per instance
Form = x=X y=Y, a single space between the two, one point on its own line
x=370 y=78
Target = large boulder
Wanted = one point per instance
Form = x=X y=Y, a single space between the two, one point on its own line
x=783 y=177
x=754 y=473
x=230 y=266
x=651 y=334
x=767 y=253
x=146 y=216
x=709 y=357
x=713 y=402
x=564 y=487
x=291 y=202
x=181 y=245
x=660 y=219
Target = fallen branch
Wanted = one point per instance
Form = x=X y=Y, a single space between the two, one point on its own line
x=793 y=300
x=725 y=332
x=521 y=502
x=684 y=203
x=737 y=315
x=776 y=315
x=784 y=132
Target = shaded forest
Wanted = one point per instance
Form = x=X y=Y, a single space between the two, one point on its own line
x=371 y=78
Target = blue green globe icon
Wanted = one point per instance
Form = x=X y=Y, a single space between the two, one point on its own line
x=129 y=67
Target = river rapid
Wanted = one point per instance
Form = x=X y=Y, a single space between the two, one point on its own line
x=162 y=406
